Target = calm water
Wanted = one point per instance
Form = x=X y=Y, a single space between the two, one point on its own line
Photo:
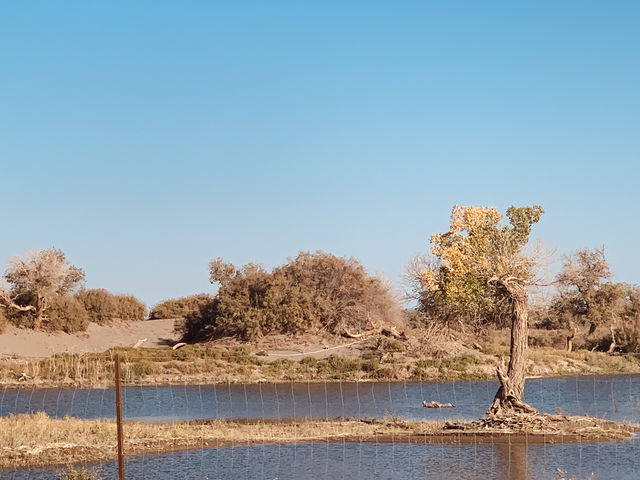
x=614 y=397
x=376 y=461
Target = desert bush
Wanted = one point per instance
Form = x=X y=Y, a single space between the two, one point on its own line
x=100 y=305
x=312 y=292
x=180 y=307
x=22 y=318
x=35 y=281
x=66 y=313
x=338 y=367
x=143 y=368
x=388 y=346
x=129 y=308
x=552 y=339
x=200 y=324
x=309 y=361
x=3 y=320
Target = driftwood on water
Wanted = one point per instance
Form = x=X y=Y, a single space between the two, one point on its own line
x=434 y=404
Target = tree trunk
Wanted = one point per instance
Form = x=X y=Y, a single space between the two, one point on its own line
x=41 y=305
x=613 y=345
x=570 y=339
x=508 y=399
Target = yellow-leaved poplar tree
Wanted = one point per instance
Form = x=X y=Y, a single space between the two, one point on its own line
x=481 y=256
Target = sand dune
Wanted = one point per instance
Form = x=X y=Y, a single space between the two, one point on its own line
x=98 y=338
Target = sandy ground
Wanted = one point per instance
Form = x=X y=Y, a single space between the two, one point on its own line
x=22 y=343
x=98 y=338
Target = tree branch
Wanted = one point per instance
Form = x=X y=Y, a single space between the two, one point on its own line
x=10 y=303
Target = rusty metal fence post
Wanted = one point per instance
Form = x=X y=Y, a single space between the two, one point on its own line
x=119 y=418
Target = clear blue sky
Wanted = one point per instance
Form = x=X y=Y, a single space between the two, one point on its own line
x=146 y=138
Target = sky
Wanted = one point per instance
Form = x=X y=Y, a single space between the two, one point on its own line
x=146 y=138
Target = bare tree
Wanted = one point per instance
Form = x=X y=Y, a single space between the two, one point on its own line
x=36 y=279
x=582 y=276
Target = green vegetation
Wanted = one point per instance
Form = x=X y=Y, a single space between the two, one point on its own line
x=99 y=304
x=129 y=308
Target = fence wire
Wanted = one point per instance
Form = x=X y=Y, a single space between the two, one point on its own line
x=329 y=457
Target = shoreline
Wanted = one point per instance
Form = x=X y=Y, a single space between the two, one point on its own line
x=314 y=381
x=72 y=441
x=203 y=365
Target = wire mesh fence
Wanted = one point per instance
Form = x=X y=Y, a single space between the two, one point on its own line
x=305 y=430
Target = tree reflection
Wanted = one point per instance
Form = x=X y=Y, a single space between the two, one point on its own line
x=512 y=461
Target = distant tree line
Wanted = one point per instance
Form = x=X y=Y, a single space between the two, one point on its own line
x=44 y=291
x=597 y=313
x=461 y=285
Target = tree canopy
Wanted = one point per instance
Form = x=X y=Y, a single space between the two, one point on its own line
x=35 y=280
x=45 y=291
x=476 y=249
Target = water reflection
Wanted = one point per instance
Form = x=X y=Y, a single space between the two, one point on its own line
x=512 y=462
x=352 y=461
x=614 y=397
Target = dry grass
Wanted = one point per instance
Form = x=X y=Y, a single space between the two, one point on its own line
x=37 y=439
x=33 y=440
x=586 y=428
x=238 y=363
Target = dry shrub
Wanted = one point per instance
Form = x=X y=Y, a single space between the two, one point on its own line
x=103 y=306
x=22 y=319
x=100 y=305
x=179 y=307
x=129 y=308
x=3 y=320
x=548 y=338
x=67 y=314
x=313 y=292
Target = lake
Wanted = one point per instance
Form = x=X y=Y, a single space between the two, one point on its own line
x=613 y=397
x=616 y=397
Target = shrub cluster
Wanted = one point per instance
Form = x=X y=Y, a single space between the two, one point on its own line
x=129 y=308
x=179 y=307
x=103 y=306
x=3 y=320
x=313 y=292
x=68 y=314
x=613 y=306
x=99 y=303
x=72 y=313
